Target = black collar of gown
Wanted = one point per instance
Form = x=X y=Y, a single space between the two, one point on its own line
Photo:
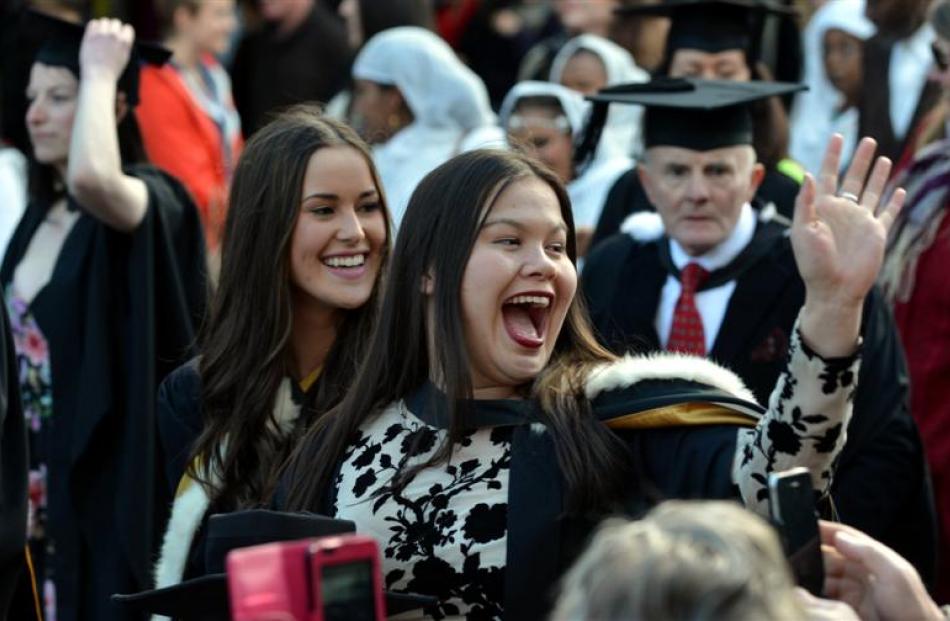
x=431 y=406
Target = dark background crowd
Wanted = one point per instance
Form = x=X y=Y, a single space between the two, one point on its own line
x=421 y=82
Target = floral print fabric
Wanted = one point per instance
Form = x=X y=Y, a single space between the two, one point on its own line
x=804 y=426
x=444 y=533
x=36 y=389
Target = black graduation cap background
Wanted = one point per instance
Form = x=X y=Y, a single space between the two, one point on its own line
x=685 y=112
x=712 y=25
x=60 y=42
x=206 y=598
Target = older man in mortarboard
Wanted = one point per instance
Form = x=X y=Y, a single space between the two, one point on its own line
x=709 y=275
x=722 y=40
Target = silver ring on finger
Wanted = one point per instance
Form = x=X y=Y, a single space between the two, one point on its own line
x=849 y=196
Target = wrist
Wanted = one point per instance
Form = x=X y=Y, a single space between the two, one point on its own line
x=97 y=76
x=830 y=329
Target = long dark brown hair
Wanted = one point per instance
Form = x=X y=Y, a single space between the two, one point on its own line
x=245 y=342
x=436 y=238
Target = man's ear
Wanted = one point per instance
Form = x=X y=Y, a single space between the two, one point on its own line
x=646 y=180
x=755 y=179
x=121 y=107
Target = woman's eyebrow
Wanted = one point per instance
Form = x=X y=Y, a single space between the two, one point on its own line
x=502 y=221
x=519 y=225
x=332 y=196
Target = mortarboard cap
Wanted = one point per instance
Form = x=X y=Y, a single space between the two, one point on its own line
x=712 y=25
x=687 y=112
x=59 y=47
x=206 y=598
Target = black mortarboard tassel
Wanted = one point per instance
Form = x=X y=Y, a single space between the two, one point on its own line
x=712 y=25
x=694 y=114
x=60 y=48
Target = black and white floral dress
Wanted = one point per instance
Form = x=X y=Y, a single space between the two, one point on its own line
x=445 y=533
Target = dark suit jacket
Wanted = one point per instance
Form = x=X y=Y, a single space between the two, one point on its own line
x=874 y=104
x=882 y=486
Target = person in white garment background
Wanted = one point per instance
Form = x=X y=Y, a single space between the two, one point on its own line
x=834 y=49
x=588 y=63
x=415 y=102
x=13 y=183
x=545 y=119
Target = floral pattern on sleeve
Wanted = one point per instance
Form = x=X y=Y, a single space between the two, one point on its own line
x=803 y=426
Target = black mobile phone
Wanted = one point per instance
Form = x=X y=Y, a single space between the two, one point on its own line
x=792 y=505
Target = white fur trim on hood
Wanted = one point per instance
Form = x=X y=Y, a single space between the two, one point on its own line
x=191 y=505
x=630 y=370
x=188 y=509
x=643 y=226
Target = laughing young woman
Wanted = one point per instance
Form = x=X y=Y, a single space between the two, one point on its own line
x=487 y=431
x=305 y=241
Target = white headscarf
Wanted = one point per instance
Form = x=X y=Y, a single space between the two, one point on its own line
x=815 y=115
x=448 y=103
x=572 y=104
x=621 y=134
x=438 y=88
x=588 y=192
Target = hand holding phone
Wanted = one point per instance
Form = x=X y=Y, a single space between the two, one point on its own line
x=792 y=505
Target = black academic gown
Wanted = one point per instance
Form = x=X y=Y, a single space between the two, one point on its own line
x=687 y=462
x=119 y=313
x=881 y=486
x=14 y=468
x=627 y=197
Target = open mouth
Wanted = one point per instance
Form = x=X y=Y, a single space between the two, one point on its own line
x=526 y=318
x=349 y=266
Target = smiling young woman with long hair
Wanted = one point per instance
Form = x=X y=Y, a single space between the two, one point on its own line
x=487 y=430
x=305 y=242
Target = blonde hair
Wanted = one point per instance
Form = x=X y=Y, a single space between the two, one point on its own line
x=684 y=560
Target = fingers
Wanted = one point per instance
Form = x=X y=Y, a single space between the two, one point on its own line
x=828 y=531
x=805 y=202
x=846 y=588
x=893 y=208
x=835 y=564
x=111 y=27
x=878 y=558
x=871 y=197
x=860 y=165
x=828 y=177
x=127 y=34
x=820 y=609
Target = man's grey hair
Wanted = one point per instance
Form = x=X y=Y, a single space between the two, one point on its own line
x=686 y=560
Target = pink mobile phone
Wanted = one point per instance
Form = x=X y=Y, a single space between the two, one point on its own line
x=270 y=582
x=347 y=582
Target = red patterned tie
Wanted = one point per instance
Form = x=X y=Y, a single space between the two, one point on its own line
x=687 y=334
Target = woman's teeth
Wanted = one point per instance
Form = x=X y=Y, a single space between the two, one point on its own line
x=534 y=300
x=355 y=260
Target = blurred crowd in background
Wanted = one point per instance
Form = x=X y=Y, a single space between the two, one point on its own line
x=422 y=81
